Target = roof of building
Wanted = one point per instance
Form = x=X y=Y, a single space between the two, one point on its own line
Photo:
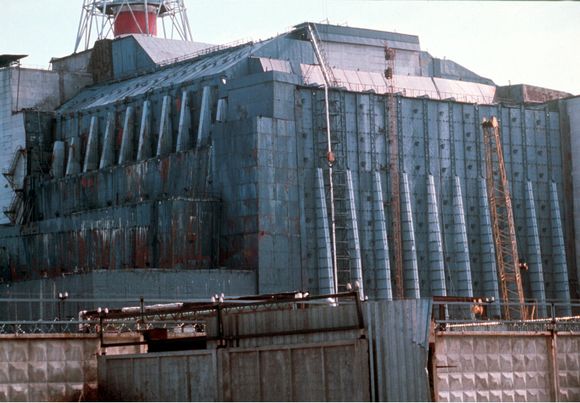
x=144 y=64
x=7 y=60
x=166 y=77
x=162 y=50
x=344 y=34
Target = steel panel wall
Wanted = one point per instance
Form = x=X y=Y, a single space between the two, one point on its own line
x=571 y=110
x=181 y=376
x=323 y=372
x=175 y=233
x=441 y=138
x=315 y=372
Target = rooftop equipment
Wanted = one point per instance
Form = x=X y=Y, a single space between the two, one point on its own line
x=124 y=17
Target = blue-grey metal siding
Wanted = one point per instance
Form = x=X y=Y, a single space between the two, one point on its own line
x=398 y=332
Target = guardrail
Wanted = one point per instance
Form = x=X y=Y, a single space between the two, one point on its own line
x=73 y=315
x=482 y=315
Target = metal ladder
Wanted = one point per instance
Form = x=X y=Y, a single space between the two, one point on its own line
x=330 y=130
x=335 y=176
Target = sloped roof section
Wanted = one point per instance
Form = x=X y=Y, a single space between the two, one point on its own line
x=162 y=50
x=173 y=75
x=7 y=60
x=371 y=37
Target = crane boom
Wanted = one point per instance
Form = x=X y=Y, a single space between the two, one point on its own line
x=503 y=227
x=394 y=173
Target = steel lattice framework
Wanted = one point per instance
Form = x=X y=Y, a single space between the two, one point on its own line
x=98 y=18
x=502 y=220
x=393 y=133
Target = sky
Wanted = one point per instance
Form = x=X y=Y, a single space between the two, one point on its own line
x=532 y=42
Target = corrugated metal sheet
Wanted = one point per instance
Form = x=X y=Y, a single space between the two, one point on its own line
x=313 y=321
x=407 y=85
x=464 y=91
x=399 y=347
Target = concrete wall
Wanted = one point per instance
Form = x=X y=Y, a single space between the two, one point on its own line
x=48 y=368
x=506 y=367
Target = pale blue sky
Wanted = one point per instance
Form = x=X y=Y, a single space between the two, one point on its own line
x=522 y=42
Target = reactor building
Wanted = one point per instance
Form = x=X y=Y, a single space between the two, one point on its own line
x=327 y=155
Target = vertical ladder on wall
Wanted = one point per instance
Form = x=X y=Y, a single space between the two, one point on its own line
x=395 y=202
x=502 y=221
x=332 y=145
x=340 y=194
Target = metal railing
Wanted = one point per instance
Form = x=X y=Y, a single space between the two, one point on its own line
x=98 y=316
x=486 y=316
x=411 y=92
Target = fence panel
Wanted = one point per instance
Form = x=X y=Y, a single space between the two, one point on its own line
x=331 y=371
x=568 y=359
x=176 y=376
x=493 y=367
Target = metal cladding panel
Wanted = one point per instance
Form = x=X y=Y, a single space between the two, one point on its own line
x=399 y=347
x=568 y=361
x=323 y=372
x=572 y=108
x=314 y=372
x=178 y=175
x=408 y=85
x=181 y=376
x=48 y=368
x=175 y=233
x=268 y=64
x=307 y=321
x=495 y=367
x=464 y=91
x=94 y=289
x=442 y=139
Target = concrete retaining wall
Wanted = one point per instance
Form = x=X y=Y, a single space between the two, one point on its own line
x=507 y=367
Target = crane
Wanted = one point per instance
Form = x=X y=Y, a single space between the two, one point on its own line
x=394 y=173
x=502 y=221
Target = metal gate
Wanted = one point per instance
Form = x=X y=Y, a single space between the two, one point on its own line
x=329 y=371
